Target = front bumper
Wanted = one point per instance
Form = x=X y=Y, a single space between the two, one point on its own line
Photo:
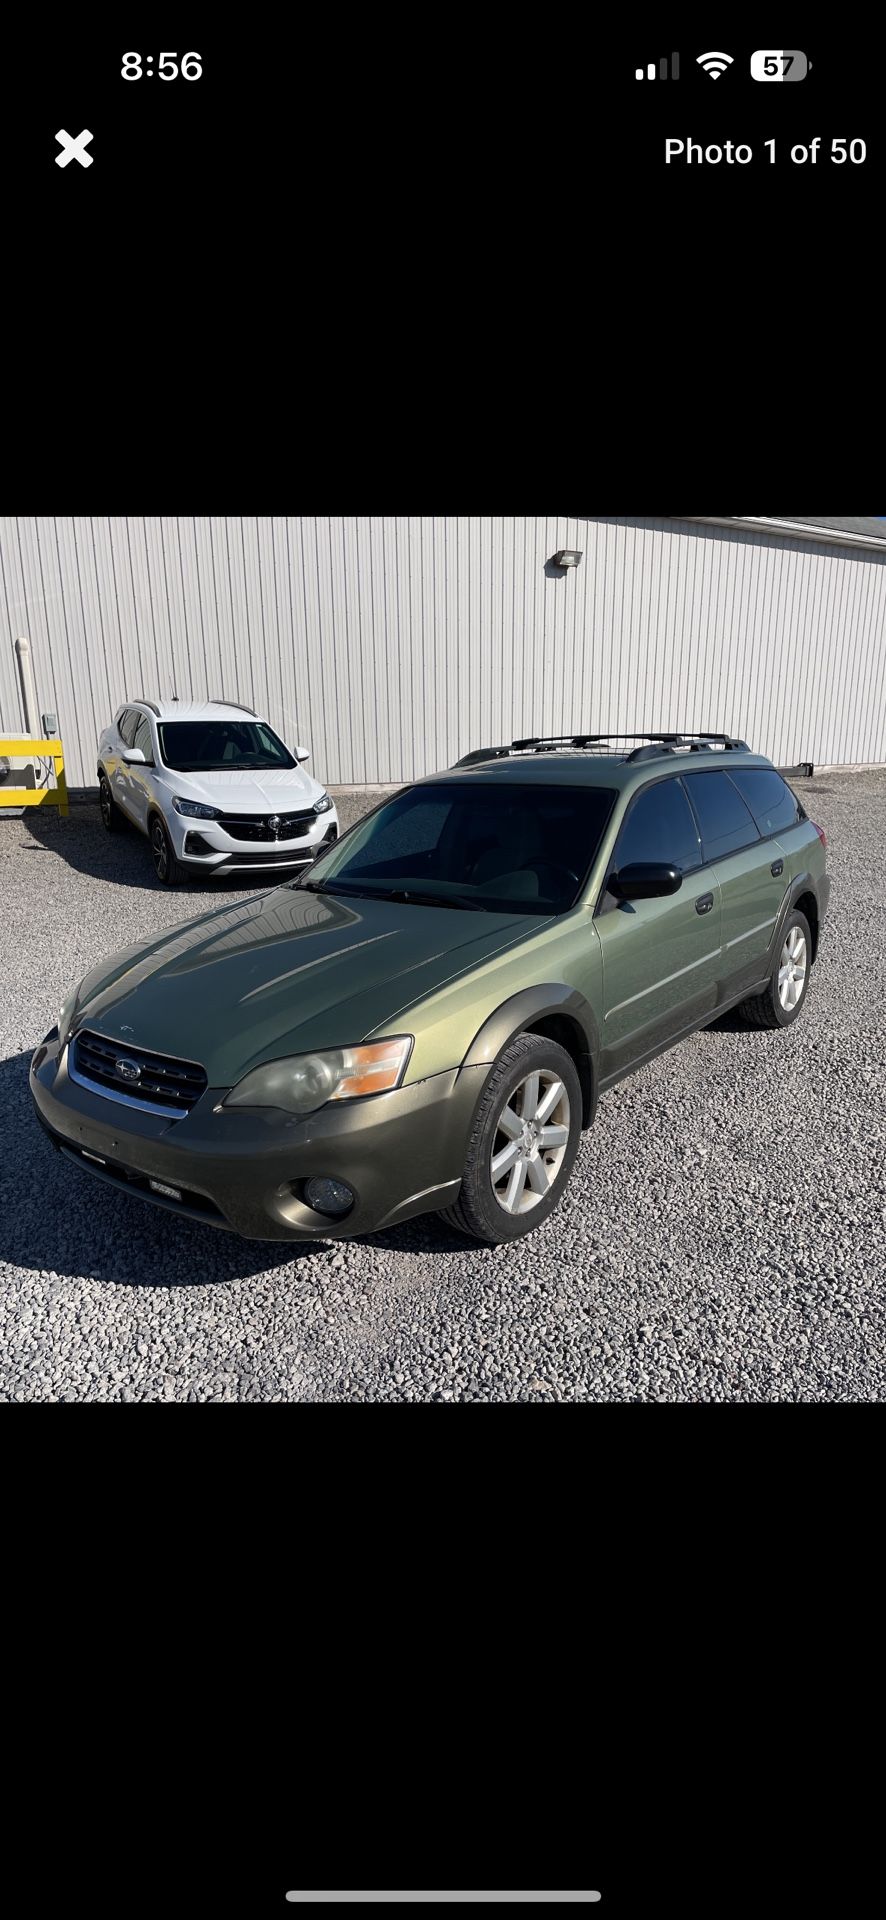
x=402 y=1152
x=211 y=847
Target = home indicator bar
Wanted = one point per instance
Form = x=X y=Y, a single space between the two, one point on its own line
x=541 y=1899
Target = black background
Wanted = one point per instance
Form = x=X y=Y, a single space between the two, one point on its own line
x=357 y=236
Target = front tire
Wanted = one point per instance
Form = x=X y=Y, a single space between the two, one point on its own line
x=789 y=983
x=166 y=866
x=522 y=1144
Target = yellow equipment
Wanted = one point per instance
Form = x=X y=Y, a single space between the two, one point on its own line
x=25 y=748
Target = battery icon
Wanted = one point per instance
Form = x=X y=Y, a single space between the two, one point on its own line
x=779 y=63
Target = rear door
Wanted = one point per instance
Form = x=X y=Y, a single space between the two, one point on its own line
x=751 y=873
x=660 y=957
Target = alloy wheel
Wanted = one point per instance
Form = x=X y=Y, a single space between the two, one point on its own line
x=792 y=969
x=104 y=797
x=530 y=1141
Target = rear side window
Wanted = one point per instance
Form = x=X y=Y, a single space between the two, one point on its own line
x=726 y=822
x=773 y=805
x=127 y=724
x=660 y=827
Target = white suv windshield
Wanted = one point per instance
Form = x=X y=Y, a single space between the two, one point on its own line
x=206 y=746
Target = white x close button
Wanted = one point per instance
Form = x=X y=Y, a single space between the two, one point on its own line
x=73 y=149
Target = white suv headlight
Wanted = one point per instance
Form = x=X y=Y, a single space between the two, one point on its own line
x=323 y=804
x=194 y=810
x=308 y=1080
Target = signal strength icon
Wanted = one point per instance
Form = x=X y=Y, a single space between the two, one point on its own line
x=649 y=72
x=714 y=63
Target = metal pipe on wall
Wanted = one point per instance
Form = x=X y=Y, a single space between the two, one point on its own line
x=29 y=691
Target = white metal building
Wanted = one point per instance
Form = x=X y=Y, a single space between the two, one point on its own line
x=392 y=645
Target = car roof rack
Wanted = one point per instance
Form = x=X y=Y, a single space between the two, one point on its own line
x=234 y=703
x=653 y=744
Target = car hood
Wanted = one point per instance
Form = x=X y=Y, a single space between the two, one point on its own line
x=247 y=792
x=286 y=972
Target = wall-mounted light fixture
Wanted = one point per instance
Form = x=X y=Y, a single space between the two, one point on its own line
x=567 y=557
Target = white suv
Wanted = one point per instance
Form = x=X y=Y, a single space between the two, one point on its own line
x=213 y=787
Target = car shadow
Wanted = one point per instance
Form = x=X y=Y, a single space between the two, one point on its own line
x=58 y=1221
x=121 y=857
x=728 y=1023
x=428 y=1233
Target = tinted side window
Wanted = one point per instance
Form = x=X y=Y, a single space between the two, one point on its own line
x=726 y=823
x=126 y=725
x=773 y=805
x=660 y=827
x=143 y=738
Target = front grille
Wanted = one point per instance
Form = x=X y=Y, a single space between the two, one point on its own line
x=256 y=826
x=265 y=860
x=168 y=1085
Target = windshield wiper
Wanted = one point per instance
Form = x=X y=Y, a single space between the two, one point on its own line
x=415 y=897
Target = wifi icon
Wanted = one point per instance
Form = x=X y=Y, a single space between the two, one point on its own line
x=714 y=63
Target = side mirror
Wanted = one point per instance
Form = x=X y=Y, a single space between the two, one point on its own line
x=646 y=880
x=302 y=753
x=134 y=757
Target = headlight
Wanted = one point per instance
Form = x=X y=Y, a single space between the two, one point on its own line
x=195 y=811
x=323 y=804
x=308 y=1080
x=66 y=1016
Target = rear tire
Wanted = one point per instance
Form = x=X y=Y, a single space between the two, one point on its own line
x=112 y=818
x=786 y=993
x=523 y=1142
x=166 y=866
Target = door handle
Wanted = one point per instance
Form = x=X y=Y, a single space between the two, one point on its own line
x=776 y=868
x=704 y=903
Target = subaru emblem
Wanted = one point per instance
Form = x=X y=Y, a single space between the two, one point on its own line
x=127 y=1070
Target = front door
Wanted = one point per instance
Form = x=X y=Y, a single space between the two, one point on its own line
x=660 y=957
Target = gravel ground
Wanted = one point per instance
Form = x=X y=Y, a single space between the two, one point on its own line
x=723 y=1236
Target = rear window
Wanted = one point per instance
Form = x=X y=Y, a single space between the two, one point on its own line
x=773 y=805
x=726 y=822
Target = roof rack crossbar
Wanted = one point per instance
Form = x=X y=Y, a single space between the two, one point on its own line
x=234 y=703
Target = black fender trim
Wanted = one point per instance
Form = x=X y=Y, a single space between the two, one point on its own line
x=550 y=1000
x=805 y=882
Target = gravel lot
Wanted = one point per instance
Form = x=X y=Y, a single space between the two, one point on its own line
x=723 y=1236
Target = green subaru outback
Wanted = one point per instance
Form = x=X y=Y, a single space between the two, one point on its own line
x=424 y=1019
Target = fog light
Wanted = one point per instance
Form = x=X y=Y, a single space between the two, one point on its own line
x=195 y=843
x=329 y=1196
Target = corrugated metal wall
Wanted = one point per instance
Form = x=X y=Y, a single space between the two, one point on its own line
x=392 y=645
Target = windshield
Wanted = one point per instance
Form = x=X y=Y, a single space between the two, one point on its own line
x=223 y=746
x=463 y=843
